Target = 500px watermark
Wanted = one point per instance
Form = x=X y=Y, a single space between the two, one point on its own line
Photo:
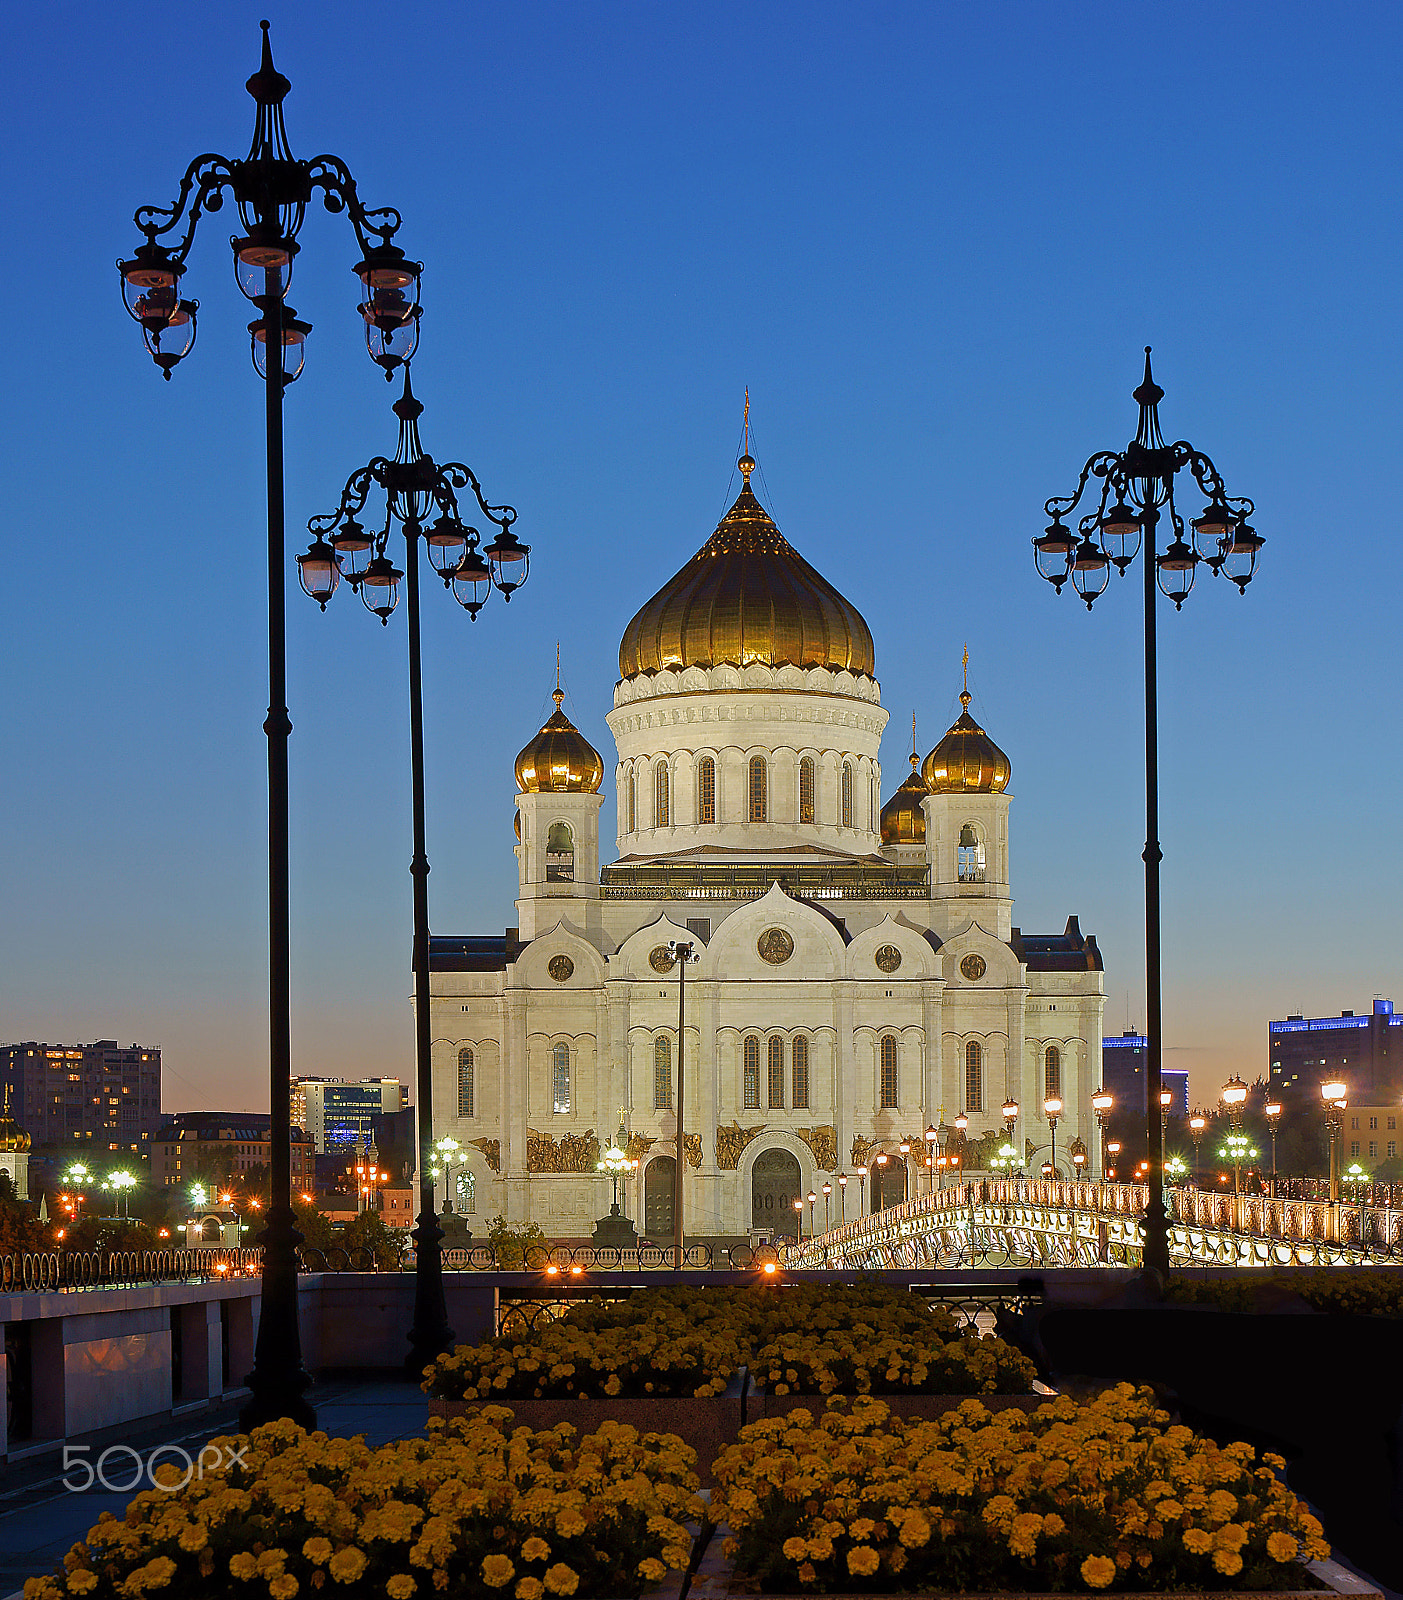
x=217 y=1458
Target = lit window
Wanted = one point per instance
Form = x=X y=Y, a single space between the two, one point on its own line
x=889 y=1084
x=776 y=1074
x=847 y=794
x=662 y=1075
x=706 y=790
x=806 y=789
x=799 y=1072
x=661 y=795
x=752 y=1074
x=1052 y=1073
x=560 y=1077
x=1354 y=1148
x=974 y=1077
x=1392 y=1148
x=1373 y=1147
x=465 y=1083
x=1373 y=1122
x=759 y=790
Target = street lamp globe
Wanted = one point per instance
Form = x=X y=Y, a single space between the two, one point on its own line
x=1101 y=1102
x=1333 y=1093
x=1234 y=1092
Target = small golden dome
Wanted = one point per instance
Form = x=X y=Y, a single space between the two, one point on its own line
x=12 y=1136
x=903 y=820
x=966 y=761
x=747 y=596
x=559 y=760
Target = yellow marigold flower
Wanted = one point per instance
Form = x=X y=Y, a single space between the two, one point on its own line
x=283 y=1587
x=400 y=1587
x=863 y=1561
x=1281 y=1546
x=561 y=1579
x=1098 y=1571
x=243 y=1566
x=317 y=1551
x=527 y=1589
x=795 y=1549
x=270 y=1563
x=650 y=1569
x=1228 y=1562
x=347 y=1565
x=535 y=1549
x=821 y=1548
x=1198 y=1541
x=807 y=1573
x=78 y=1582
x=497 y=1571
x=570 y=1524
x=674 y=1554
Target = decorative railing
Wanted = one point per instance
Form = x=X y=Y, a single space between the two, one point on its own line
x=810 y=880
x=52 y=1272
x=1058 y=1222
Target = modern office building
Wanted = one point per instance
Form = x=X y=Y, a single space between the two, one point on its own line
x=199 y=1146
x=337 y=1113
x=1123 y=1075
x=1371 y=1132
x=1364 y=1052
x=95 y=1097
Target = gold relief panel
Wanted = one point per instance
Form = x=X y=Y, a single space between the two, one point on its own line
x=572 y=1152
x=560 y=968
x=661 y=959
x=775 y=946
x=491 y=1150
x=888 y=958
x=973 y=967
x=731 y=1142
x=862 y=1150
x=638 y=1146
x=692 y=1146
x=823 y=1142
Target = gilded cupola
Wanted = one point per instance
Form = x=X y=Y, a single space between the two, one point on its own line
x=12 y=1136
x=747 y=596
x=966 y=761
x=559 y=760
x=903 y=816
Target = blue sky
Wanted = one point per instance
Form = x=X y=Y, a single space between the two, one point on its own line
x=932 y=239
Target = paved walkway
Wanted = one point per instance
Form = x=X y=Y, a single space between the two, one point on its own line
x=40 y=1518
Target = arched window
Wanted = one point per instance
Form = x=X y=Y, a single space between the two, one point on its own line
x=759 y=790
x=799 y=1073
x=974 y=1077
x=706 y=790
x=971 y=855
x=662 y=1075
x=776 y=1074
x=560 y=853
x=752 y=1074
x=1052 y=1073
x=632 y=801
x=560 y=1078
x=661 y=795
x=466 y=1186
x=806 y=789
x=847 y=794
x=465 y=1083
x=889 y=1084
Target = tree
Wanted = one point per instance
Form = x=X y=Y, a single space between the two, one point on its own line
x=511 y=1244
x=369 y=1233
x=315 y=1227
x=21 y=1232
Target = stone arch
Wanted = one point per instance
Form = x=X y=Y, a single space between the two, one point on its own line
x=659 y=1178
x=776 y=1180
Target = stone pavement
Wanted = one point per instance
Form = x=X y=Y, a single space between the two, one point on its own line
x=40 y=1518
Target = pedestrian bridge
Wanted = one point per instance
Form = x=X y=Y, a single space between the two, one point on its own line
x=1046 y=1223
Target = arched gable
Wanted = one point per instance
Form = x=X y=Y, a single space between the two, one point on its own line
x=817 y=949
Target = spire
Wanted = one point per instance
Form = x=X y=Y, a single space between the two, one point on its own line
x=267 y=85
x=747 y=461
x=558 y=694
x=915 y=759
x=964 y=693
x=1148 y=397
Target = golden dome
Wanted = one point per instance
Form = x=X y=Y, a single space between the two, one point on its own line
x=559 y=760
x=966 y=761
x=12 y=1136
x=903 y=820
x=747 y=596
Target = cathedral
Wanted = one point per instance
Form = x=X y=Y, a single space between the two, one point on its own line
x=858 y=979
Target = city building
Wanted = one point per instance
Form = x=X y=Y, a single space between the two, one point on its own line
x=859 y=976
x=1371 y=1132
x=205 y=1146
x=1365 y=1053
x=1123 y=1069
x=95 y=1097
x=338 y=1113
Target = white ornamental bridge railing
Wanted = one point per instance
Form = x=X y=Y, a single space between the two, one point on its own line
x=1003 y=1222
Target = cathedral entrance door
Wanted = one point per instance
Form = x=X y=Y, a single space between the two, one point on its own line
x=888 y=1184
x=657 y=1200
x=774 y=1187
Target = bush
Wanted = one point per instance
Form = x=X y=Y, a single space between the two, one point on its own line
x=1344 y=1291
x=511 y=1244
x=1100 y=1495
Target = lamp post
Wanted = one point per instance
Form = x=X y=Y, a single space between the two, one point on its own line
x=1166 y=1099
x=932 y=1138
x=1009 y=1112
x=614 y=1163
x=827 y=1218
x=682 y=951
x=1052 y=1109
x=1356 y=1177
x=1142 y=478
x=905 y=1148
x=799 y=1219
x=1333 y=1094
x=416 y=488
x=1272 y=1112
x=272 y=190
x=1198 y=1124
x=1112 y=1150
x=843 y=1197
x=813 y=1201
x=1102 y=1103
x=121 y=1184
x=862 y=1183
x=879 y=1182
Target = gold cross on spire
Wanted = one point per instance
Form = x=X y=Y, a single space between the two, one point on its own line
x=747 y=419
x=966 y=667
x=557 y=663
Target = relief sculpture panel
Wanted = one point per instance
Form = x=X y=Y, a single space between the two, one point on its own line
x=823 y=1141
x=572 y=1152
x=491 y=1150
x=731 y=1142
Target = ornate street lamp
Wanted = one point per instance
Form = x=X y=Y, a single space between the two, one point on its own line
x=1102 y=1103
x=932 y=1136
x=827 y=1218
x=1272 y=1112
x=614 y=1163
x=271 y=189
x=1052 y=1109
x=813 y=1200
x=421 y=497
x=1112 y=1150
x=799 y=1219
x=1333 y=1094
x=842 y=1197
x=1198 y=1124
x=862 y=1185
x=1136 y=487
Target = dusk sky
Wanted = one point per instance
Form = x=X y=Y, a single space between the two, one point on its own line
x=932 y=239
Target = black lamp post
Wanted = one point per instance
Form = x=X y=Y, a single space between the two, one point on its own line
x=272 y=190
x=416 y=488
x=1141 y=478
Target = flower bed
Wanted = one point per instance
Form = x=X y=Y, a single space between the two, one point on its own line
x=1099 y=1495
x=476 y=1510
x=1351 y=1291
